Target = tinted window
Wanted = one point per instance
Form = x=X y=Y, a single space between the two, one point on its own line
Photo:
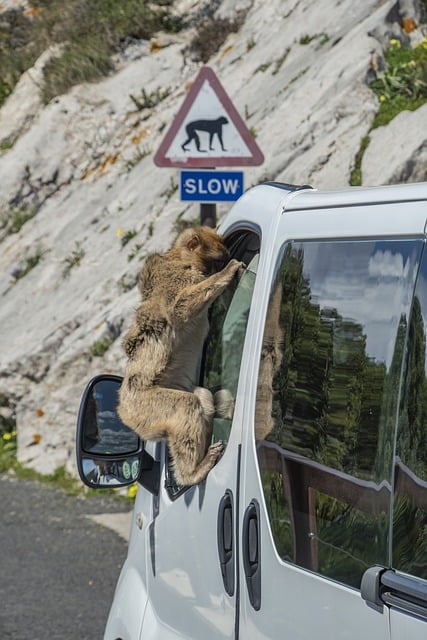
x=327 y=400
x=410 y=506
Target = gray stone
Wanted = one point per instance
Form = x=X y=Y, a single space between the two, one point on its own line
x=83 y=163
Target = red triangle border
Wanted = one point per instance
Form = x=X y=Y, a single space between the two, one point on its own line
x=256 y=158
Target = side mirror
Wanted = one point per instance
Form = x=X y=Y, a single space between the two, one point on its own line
x=110 y=454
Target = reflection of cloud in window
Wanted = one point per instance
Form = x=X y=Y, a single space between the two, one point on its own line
x=370 y=288
x=386 y=263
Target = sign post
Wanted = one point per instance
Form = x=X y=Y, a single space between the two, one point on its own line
x=207 y=133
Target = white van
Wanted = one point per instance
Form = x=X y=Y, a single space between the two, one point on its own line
x=314 y=522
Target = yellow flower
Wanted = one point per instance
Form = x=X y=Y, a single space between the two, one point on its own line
x=7 y=436
x=383 y=98
x=395 y=44
x=119 y=232
x=132 y=490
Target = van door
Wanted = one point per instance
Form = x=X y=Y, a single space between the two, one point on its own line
x=192 y=540
x=404 y=587
x=316 y=492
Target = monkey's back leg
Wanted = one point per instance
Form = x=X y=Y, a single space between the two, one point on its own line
x=182 y=418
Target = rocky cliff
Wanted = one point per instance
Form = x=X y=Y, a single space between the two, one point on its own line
x=82 y=202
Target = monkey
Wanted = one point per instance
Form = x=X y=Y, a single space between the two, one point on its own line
x=213 y=127
x=159 y=397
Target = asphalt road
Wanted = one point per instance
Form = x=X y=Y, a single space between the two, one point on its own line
x=58 y=568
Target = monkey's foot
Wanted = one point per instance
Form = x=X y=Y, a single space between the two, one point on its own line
x=215 y=452
x=224 y=404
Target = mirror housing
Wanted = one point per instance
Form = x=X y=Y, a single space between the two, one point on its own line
x=110 y=454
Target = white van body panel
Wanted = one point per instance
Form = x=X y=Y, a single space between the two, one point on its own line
x=171 y=585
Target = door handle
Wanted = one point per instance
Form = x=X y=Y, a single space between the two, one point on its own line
x=225 y=537
x=252 y=553
x=384 y=586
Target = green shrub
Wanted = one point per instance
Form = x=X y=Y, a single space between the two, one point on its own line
x=90 y=30
x=73 y=260
x=403 y=85
x=101 y=346
x=14 y=220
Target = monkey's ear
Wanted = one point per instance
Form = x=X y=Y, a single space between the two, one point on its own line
x=193 y=242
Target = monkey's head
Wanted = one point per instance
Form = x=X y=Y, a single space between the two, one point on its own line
x=203 y=248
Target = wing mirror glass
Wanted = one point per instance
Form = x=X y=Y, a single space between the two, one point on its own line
x=108 y=452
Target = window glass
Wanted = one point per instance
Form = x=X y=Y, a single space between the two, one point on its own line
x=224 y=345
x=410 y=505
x=327 y=400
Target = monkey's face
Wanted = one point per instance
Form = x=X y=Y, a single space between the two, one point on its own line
x=205 y=249
x=212 y=251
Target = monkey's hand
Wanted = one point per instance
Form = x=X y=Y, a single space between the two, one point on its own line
x=233 y=267
x=195 y=298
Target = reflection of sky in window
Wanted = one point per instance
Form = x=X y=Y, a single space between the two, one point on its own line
x=368 y=283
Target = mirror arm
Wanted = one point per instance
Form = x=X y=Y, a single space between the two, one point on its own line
x=149 y=476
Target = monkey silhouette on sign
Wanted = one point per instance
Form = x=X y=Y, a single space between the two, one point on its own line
x=213 y=127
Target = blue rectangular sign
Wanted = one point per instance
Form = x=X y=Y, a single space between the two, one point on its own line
x=211 y=186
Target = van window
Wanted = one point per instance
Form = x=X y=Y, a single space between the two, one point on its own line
x=223 y=350
x=327 y=400
x=410 y=501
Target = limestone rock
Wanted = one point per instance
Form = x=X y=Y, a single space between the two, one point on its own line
x=82 y=167
x=397 y=152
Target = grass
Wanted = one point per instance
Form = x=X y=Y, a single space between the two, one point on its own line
x=127 y=236
x=30 y=263
x=150 y=100
x=356 y=174
x=73 y=260
x=101 y=346
x=14 y=220
x=401 y=87
x=322 y=37
x=90 y=32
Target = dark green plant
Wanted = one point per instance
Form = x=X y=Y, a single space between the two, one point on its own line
x=403 y=85
x=101 y=346
x=134 y=252
x=127 y=237
x=30 y=262
x=356 y=174
x=73 y=260
x=15 y=219
x=150 y=100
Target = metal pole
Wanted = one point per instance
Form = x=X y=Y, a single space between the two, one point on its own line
x=208 y=214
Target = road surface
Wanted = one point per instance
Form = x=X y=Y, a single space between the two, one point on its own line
x=58 y=567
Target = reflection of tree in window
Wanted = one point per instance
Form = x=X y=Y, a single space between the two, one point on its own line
x=327 y=465
x=410 y=506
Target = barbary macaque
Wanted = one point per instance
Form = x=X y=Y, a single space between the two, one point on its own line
x=159 y=396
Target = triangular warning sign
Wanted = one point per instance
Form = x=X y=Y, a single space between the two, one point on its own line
x=208 y=131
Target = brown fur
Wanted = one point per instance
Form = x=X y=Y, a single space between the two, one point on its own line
x=159 y=398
